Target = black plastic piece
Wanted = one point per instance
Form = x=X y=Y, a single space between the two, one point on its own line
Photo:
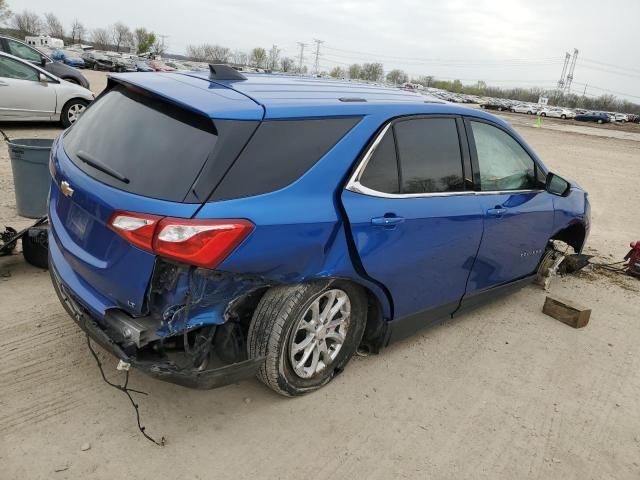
x=352 y=99
x=220 y=71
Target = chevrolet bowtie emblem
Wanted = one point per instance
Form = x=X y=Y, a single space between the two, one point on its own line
x=66 y=189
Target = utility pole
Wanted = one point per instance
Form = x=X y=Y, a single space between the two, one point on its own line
x=301 y=58
x=317 y=64
x=572 y=67
x=567 y=57
x=584 y=93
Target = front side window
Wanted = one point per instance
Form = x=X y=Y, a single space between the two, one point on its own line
x=381 y=172
x=20 y=50
x=429 y=155
x=503 y=163
x=10 y=68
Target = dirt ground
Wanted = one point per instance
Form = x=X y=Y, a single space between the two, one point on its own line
x=503 y=393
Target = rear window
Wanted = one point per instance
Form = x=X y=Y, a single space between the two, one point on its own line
x=279 y=153
x=140 y=144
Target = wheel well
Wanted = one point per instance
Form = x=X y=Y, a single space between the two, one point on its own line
x=573 y=235
x=375 y=330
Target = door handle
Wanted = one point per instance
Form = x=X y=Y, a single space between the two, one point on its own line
x=3 y=84
x=497 y=211
x=386 y=221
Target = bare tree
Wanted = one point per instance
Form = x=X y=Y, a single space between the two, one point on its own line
x=100 y=38
x=273 y=58
x=77 y=31
x=217 y=54
x=258 y=57
x=196 y=52
x=159 y=46
x=26 y=22
x=287 y=64
x=372 y=71
x=5 y=13
x=121 y=35
x=53 y=25
x=240 y=58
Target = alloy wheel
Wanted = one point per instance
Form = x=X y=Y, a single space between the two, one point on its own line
x=74 y=112
x=319 y=335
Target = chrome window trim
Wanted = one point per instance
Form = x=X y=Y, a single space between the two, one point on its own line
x=354 y=185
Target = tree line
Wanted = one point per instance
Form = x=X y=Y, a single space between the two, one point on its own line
x=117 y=36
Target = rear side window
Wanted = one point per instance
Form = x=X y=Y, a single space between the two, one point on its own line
x=279 y=153
x=429 y=154
x=140 y=144
x=381 y=172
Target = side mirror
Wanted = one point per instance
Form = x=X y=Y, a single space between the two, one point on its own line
x=557 y=185
x=43 y=62
x=44 y=78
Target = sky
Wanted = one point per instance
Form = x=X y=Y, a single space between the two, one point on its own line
x=502 y=42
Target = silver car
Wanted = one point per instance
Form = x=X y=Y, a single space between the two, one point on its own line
x=30 y=93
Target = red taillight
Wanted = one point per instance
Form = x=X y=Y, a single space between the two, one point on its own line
x=137 y=228
x=204 y=243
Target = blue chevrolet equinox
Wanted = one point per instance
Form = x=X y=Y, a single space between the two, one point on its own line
x=208 y=227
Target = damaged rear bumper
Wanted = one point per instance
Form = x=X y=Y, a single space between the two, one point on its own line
x=163 y=369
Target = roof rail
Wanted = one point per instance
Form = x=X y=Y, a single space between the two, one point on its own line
x=220 y=71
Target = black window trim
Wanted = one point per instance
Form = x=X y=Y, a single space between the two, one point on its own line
x=354 y=184
x=476 y=166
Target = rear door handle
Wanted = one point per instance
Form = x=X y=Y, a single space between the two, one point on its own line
x=497 y=211
x=386 y=221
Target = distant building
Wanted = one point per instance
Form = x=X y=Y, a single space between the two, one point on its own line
x=44 y=41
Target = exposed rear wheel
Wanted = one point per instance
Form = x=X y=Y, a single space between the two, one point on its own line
x=307 y=332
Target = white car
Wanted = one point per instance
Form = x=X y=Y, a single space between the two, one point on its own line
x=557 y=113
x=621 y=117
x=30 y=93
x=524 y=108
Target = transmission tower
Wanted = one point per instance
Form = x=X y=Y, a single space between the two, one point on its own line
x=567 y=57
x=316 y=63
x=301 y=58
x=572 y=67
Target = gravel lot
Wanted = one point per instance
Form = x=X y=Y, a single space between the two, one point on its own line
x=503 y=393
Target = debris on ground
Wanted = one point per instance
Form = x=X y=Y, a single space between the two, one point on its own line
x=85 y=446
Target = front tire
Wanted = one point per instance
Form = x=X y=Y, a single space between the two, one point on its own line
x=600 y=121
x=307 y=333
x=71 y=111
x=563 y=116
x=543 y=114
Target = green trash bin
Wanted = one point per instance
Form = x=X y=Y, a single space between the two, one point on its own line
x=31 y=177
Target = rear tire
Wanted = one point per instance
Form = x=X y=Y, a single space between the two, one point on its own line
x=286 y=323
x=35 y=247
x=563 y=116
x=543 y=114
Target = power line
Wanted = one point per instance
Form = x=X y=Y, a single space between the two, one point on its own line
x=608 y=90
x=441 y=60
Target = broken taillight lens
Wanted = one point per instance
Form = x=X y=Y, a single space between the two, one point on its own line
x=204 y=243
